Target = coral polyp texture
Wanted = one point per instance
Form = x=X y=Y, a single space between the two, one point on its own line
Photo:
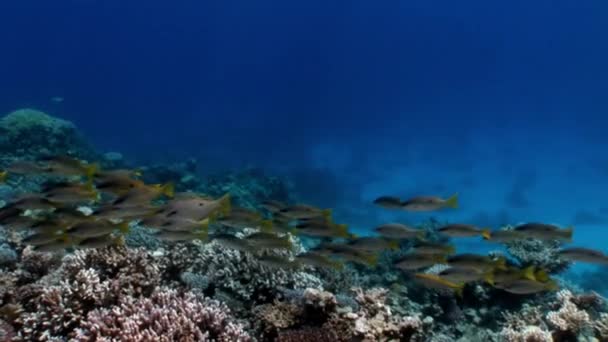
x=108 y=250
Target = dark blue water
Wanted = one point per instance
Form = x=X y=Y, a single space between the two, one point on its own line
x=504 y=103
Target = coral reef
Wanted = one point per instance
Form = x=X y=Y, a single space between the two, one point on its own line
x=165 y=316
x=31 y=133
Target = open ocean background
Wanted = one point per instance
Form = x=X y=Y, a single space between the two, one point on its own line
x=504 y=103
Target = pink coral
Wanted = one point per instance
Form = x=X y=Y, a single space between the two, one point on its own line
x=165 y=316
x=569 y=317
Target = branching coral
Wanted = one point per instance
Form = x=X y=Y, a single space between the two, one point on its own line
x=528 y=334
x=165 y=316
x=569 y=318
x=543 y=254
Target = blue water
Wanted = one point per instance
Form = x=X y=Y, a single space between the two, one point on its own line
x=504 y=103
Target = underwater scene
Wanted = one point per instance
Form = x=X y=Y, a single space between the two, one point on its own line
x=304 y=171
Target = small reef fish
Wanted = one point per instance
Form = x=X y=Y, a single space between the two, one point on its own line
x=273 y=206
x=183 y=225
x=480 y=262
x=320 y=228
x=70 y=193
x=304 y=211
x=8 y=212
x=96 y=228
x=399 y=231
x=176 y=236
x=68 y=166
x=273 y=261
x=504 y=236
x=389 y=202
x=197 y=208
x=527 y=286
x=33 y=202
x=430 y=203
x=543 y=231
x=265 y=240
x=125 y=212
x=348 y=253
x=584 y=255
x=116 y=175
x=510 y=274
x=373 y=244
x=232 y=242
x=462 y=275
x=242 y=218
x=24 y=167
x=423 y=247
x=436 y=282
x=318 y=260
x=37 y=239
x=414 y=261
x=100 y=241
x=59 y=244
x=145 y=193
x=464 y=230
x=19 y=222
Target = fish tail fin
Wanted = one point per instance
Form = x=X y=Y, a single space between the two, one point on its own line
x=202 y=235
x=501 y=263
x=326 y=213
x=450 y=250
x=3 y=176
x=225 y=206
x=266 y=226
x=489 y=277
x=541 y=275
x=168 y=189
x=528 y=273
x=90 y=170
x=452 y=202
x=551 y=285
x=568 y=232
x=371 y=259
x=342 y=230
x=393 y=244
x=204 y=223
x=486 y=233
x=124 y=227
x=458 y=290
x=441 y=259
x=337 y=265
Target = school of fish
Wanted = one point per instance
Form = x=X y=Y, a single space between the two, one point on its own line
x=86 y=207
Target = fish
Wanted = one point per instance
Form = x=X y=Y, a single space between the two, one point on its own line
x=424 y=247
x=504 y=236
x=9 y=212
x=463 y=230
x=24 y=167
x=348 y=253
x=430 y=203
x=268 y=240
x=481 y=262
x=242 y=218
x=543 y=231
x=3 y=176
x=118 y=184
x=96 y=228
x=125 y=212
x=318 y=260
x=317 y=228
x=184 y=225
x=399 y=231
x=414 y=261
x=584 y=255
x=273 y=261
x=389 y=202
x=462 y=275
x=273 y=206
x=143 y=193
x=527 y=286
x=232 y=242
x=68 y=166
x=100 y=241
x=70 y=193
x=19 y=222
x=175 y=236
x=59 y=244
x=510 y=274
x=197 y=208
x=37 y=239
x=116 y=174
x=33 y=202
x=304 y=211
x=436 y=282
x=373 y=244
